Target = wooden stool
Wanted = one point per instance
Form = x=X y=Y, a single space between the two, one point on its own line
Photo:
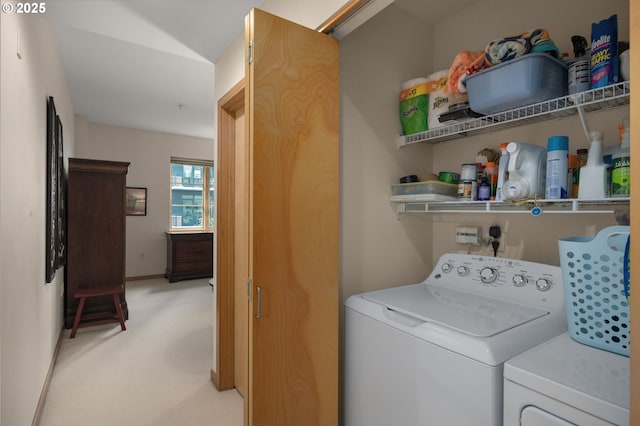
x=83 y=293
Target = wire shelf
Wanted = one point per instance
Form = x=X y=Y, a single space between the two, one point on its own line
x=591 y=100
x=600 y=206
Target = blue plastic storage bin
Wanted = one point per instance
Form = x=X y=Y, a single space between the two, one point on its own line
x=525 y=80
x=593 y=280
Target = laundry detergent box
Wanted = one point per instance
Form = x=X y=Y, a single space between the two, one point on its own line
x=604 y=52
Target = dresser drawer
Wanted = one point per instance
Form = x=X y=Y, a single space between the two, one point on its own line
x=189 y=255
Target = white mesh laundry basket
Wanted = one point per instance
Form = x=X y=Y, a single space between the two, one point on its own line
x=593 y=278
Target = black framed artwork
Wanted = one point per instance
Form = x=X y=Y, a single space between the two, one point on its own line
x=51 y=228
x=136 y=201
x=61 y=179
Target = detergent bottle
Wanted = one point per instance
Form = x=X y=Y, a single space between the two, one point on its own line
x=502 y=171
x=527 y=171
x=621 y=165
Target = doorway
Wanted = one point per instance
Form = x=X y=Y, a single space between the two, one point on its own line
x=231 y=337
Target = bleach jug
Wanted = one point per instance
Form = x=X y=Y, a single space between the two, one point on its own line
x=527 y=170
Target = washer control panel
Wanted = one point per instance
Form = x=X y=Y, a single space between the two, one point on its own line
x=508 y=279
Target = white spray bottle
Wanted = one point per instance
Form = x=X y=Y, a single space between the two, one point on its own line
x=593 y=176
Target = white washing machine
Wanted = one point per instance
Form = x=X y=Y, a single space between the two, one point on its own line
x=563 y=382
x=433 y=353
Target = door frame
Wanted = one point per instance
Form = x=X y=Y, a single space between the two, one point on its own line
x=228 y=105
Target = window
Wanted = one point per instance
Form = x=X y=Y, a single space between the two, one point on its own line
x=191 y=194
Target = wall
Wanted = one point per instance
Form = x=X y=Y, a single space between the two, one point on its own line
x=310 y=13
x=30 y=310
x=375 y=59
x=369 y=126
x=149 y=154
x=519 y=241
x=370 y=85
x=377 y=249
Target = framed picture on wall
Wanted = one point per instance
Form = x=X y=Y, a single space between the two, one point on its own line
x=51 y=231
x=136 y=201
x=61 y=241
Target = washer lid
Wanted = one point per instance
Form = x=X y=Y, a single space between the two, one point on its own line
x=468 y=313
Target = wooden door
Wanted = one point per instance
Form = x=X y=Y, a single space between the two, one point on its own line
x=291 y=110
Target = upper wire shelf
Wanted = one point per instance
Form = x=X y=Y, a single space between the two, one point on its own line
x=591 y=100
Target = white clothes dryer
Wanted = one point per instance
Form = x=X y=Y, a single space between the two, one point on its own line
x=433 y=353
x=563 y=382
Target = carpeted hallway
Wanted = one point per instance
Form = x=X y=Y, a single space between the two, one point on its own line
x=154 y=373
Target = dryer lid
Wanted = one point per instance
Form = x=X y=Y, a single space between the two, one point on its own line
x=468 y=313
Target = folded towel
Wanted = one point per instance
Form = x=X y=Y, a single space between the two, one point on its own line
x=546 y=46
x=462 y=64
x=504 y=49
x=537 y=35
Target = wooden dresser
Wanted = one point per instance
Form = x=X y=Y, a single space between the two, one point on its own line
x=96 y=219
x=189 y=255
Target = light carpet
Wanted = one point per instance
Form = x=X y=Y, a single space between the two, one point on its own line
x=157 y=372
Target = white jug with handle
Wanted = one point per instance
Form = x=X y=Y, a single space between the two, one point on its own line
x=527 y=172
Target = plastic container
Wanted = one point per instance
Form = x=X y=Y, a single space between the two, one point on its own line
x=427 y=187
x=593 y=176
x=581 y=160
x=503 y=176
x=594 y=283
x=449 y=177
x=625 y=71
x=604 y=52
x=621 y=165
x=527 y=170
x=468 y=190
x=579 y=76
x=469 y=171
x=557 y=168
x=491 y=175
x=484 y=190
x=525 y=80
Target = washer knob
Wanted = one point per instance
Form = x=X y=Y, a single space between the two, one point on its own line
x=519 y=280
x=463 y=270
x=446 y=267
x=543 y=284
x=488 y=275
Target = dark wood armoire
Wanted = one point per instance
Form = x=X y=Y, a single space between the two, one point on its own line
x=96 y=219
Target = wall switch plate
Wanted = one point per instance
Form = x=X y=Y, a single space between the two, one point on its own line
x=468 y=235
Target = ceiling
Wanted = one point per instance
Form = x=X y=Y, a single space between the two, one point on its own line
x=146 y=64
x=149 y=64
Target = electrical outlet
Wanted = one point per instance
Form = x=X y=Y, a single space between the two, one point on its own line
x=468 y=235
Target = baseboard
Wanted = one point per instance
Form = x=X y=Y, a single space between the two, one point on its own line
x=144 y=277
x=214 y=378
x=47 y=381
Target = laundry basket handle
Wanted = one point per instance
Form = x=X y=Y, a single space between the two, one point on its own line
x=614 y=237
x=626 y=268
